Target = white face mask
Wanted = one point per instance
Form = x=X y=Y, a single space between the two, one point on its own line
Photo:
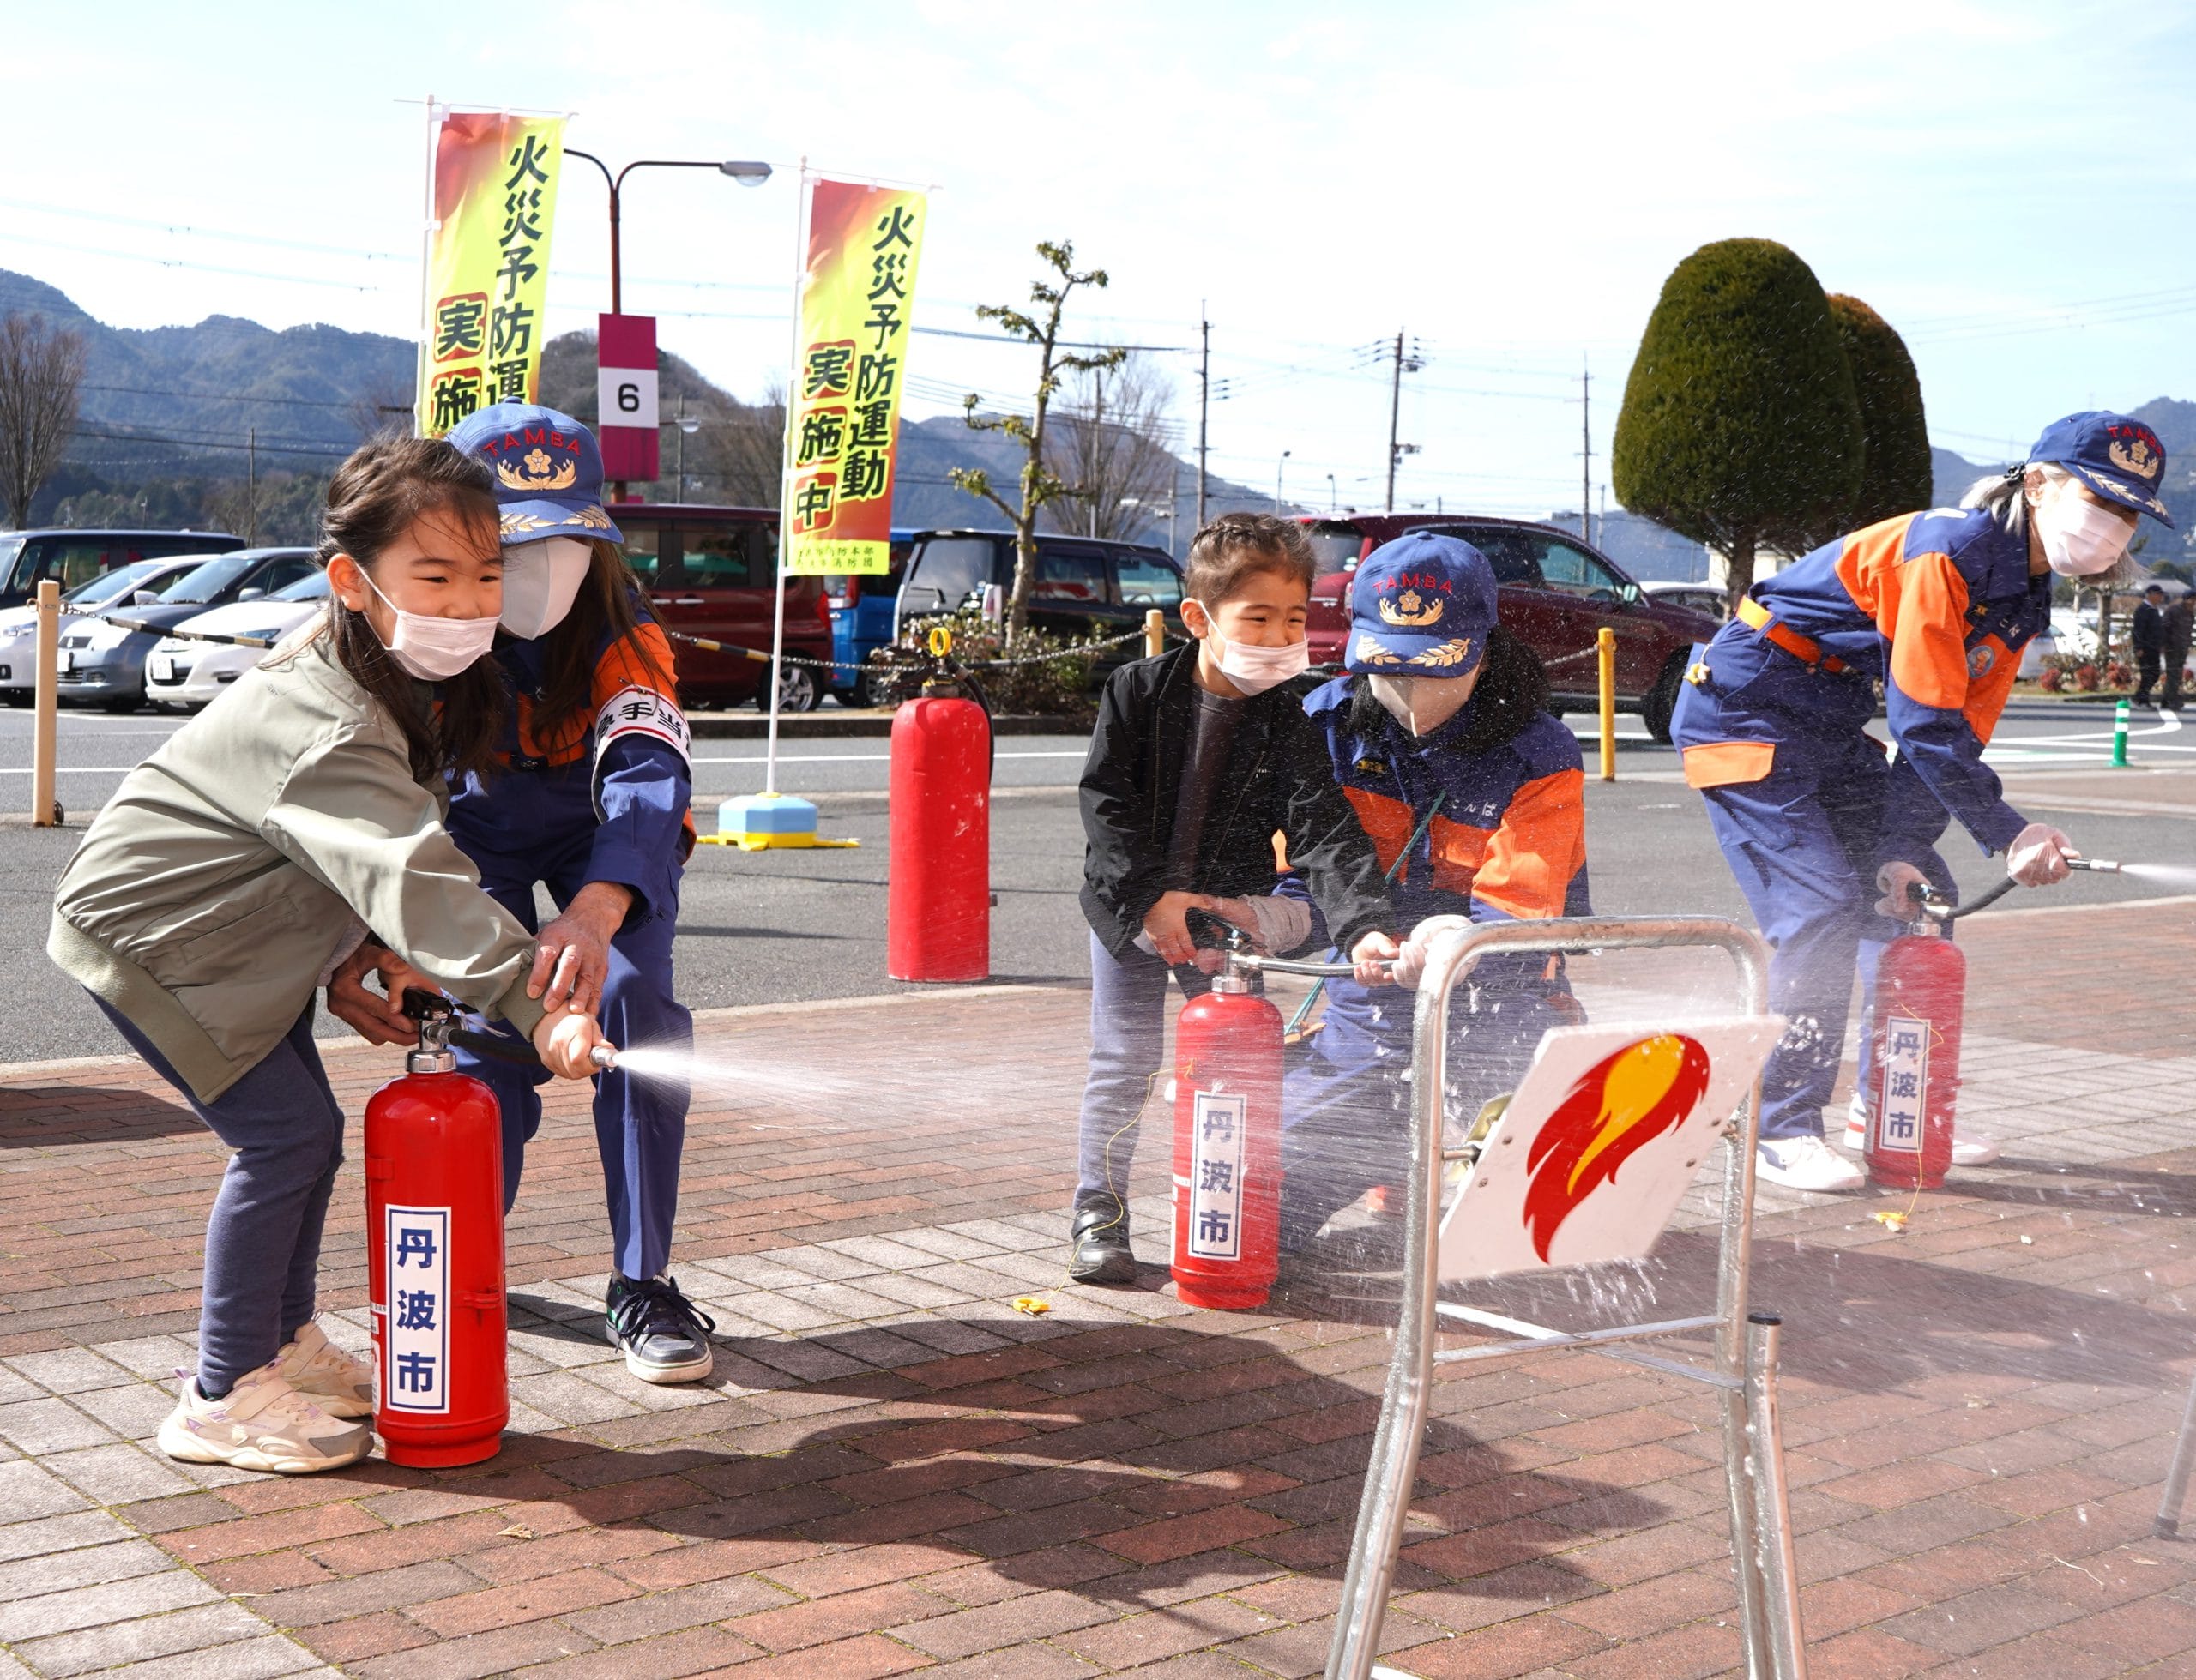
x=434 y=649
x=541 y=580
x=1422 y=704
x=2081 y=538
x=1254 y=668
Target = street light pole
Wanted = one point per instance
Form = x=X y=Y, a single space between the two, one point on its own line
x=747 y=173
x=1278 y=469
x=1333 y=501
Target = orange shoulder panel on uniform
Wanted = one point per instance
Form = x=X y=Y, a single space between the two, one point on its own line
x=1869 y=566
x=1927 y=624
x=1388 y=823
x=1540 y=846
x=1989 y=681
x=1722 y=763
x=640 y=660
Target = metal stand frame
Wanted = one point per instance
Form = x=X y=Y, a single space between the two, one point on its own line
x=1746 y=1344
x=2168 y=1525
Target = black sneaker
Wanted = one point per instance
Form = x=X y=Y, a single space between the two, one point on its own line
x=1100 y=1232
x=664 y=1335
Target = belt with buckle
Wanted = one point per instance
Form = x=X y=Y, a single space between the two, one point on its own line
x=1757 y=617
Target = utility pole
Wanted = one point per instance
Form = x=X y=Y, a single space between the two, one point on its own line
x=1204 y=399
x=1585 y=453
x=1397 y=450
x=1277 y=468
x=251 y=486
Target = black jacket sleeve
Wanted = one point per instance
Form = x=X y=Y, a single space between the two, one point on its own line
x=1121 y=867
x=1326 y=841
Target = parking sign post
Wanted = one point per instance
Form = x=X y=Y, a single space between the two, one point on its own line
x=45 y=810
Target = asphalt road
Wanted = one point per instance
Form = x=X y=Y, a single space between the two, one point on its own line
x=764 y=927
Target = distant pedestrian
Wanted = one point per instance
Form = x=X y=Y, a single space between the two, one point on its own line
x=2148 y=631
x=2179 y=621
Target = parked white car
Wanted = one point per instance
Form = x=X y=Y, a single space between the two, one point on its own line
x=144 y=579
x=185 y=674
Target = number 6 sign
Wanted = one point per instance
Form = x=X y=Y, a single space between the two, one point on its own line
x=625 y=397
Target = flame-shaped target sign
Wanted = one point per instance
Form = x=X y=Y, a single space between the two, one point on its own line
x=1619 y=1105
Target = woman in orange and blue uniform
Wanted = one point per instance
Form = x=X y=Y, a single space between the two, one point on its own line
x=1474 y=797
x=1814 y=822
x=590 y=800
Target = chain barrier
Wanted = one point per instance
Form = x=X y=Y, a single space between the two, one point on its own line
x=68 y=611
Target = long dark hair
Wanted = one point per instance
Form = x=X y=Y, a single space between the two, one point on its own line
x=372 y=500
x=1512 y=691
x=570 y=654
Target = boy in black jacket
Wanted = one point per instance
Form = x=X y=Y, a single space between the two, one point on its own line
x=1200 y=756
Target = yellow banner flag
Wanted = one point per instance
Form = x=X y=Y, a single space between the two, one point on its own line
x=856 y=296
x=488 y=265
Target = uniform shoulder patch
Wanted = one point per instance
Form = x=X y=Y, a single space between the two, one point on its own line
x=1981 y=658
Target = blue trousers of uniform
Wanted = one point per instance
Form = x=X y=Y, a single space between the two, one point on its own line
x=640 y=1125
x=1804 y=843
x=1346 y=1108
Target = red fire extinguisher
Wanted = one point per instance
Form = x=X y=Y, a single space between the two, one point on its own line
x=435 y=1256
x=937 y=918
x=1228 y=1062
x=1913 y=1053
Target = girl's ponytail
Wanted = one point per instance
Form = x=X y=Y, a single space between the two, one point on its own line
x=372 y=500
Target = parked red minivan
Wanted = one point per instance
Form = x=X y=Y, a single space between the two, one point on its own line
x=1556 y=592
x=712 y=572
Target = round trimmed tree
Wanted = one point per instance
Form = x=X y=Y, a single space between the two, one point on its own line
x=1895 y=476
x=1740 y=427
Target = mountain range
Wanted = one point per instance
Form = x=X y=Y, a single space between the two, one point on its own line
x=173 y=421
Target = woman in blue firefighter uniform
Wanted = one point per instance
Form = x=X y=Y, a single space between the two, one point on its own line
x=1473 y=795
x=1936 y=606
x=592 y=803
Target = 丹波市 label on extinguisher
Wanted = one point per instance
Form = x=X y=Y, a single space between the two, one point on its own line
x=415 y=1339
x=1216 y=1178
x=1904 y=1085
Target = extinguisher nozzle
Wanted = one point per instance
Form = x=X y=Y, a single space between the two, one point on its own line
x=603 y=1057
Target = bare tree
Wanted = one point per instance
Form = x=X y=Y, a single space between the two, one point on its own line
x=1040 y=484
x=1110 y=444
x=40 y=372
x=740 y=449
x=382 y=409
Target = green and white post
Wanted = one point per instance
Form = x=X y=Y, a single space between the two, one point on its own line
x=2119 y=736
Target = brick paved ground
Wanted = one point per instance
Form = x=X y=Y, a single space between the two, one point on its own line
x=893 y=1472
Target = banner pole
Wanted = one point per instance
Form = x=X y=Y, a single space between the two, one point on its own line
x=785 y=482
x=419 y=363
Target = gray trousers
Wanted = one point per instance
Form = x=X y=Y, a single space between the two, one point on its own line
x=1128 y=1050
x=263 y=1238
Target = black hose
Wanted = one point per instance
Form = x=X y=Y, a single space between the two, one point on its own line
x=1935 y=904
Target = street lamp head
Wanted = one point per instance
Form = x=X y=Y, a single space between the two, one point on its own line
x=747 y=174
x=689 y=424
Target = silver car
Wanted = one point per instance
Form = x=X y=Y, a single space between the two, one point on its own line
x=103 y=658
x=140 y=583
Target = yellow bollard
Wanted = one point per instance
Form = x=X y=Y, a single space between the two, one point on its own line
x=45 y=810
x=1605 y=648
x=1155 y=633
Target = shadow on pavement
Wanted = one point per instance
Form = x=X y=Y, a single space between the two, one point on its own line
x=45 y=1117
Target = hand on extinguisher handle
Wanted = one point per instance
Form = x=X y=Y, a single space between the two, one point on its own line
x=2038 y=855
x=568 y=1043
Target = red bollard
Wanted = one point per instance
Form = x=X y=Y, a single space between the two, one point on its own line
x=1227 y=1058
x=1914 y=1048
x=937 y=916
x=435 y=1261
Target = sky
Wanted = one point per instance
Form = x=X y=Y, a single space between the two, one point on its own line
x=2010 y=185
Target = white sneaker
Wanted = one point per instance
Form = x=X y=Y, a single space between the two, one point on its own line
x=1804 y=1163
x=261 y=1423
x=1968 y=1150
x=324 y=1373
